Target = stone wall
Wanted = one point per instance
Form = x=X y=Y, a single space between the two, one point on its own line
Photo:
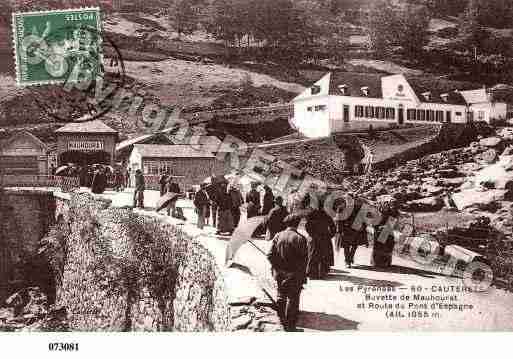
x=123 y=271
x=450 y=135
x=117 y=269
x=25 y=216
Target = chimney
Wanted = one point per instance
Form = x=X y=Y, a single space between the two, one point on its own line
x=315 y=89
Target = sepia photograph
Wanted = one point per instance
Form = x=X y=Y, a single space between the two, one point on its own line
x=255 y=166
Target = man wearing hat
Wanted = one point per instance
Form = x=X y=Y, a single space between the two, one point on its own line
x=275 y=219
x=253 y=201
x=202 y=205
x=289 y=256
x=139 y=189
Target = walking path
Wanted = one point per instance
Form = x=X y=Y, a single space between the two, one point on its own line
x=339 y=302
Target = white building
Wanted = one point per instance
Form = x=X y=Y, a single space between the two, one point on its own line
x=343 y=97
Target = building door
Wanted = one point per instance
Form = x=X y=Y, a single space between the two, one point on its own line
x=400 y=118
x=346 y=113
x=448 y=116
x=470 y=116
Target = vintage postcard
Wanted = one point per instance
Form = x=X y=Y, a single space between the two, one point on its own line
x=256 y=166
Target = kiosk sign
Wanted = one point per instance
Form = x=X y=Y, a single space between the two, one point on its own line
x=85 y=145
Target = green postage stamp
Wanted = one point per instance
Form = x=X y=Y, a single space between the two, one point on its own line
x=57 y=46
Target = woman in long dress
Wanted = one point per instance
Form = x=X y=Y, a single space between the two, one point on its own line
x=224 y=213
x=382 y=251
x=202 y=204
x=348 y=237
x=321 y=229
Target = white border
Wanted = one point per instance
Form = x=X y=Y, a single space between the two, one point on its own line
x=43 y=12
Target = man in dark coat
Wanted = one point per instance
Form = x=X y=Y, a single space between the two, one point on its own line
x=346 y=236
x=268 y=200
x=224 y=210
x=139 y=189
x=99 y=182
x=253 y=201
x=202 y=205
x=172 y=210
x=172 y=186
x=237 y=201
x=95 y=183
x=321 y=229
x=275 y=219
x=288 y=256
x=163 y=183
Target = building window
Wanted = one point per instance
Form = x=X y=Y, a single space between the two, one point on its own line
x=390 y=113
x=431 y=116
x=439 y=116
x=470 y=116
x=411 y=115
x=381 y=113
x=481 y=115
x=421 y=115
x=458 y=113
x=320 y=108
x=358 y=111
x=315 y=89
x=309 y=108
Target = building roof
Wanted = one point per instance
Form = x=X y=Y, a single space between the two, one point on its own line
x=95 y=126
x=354 y=82
x=421 y=85
x=172 y=151
x=475 y=96
x=437 y=87
x=160 y=137
x=26 y=134
x=502 y=93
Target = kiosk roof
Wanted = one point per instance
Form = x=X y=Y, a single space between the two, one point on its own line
x=95 y=126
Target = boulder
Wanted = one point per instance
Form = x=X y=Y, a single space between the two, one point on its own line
x=241 y=322
x=430 y=204
x=470 y=167
x=508 y=151
x=490 y=142
x=432 y=190
x=475 y=197
x=452 y=182
x=488 y=157
x=498 y=174
x=449 y=173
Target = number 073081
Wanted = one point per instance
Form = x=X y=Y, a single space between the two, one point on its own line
x=60 y=347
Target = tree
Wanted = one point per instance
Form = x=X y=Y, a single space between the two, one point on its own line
x=496 y=13
x=471 y=33
x=183 y=16
x=412 y=31
x=445 y=7
x=381 y=27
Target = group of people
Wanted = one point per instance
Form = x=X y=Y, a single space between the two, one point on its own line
x=222 y=202
x=294 y=257
x=97 y=177
x=168 y=184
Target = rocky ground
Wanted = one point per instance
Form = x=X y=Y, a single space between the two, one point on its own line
x=463 y=196
x=28 y=310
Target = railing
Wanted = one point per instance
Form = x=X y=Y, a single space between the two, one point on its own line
x=65 y=183
x=153 y=182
